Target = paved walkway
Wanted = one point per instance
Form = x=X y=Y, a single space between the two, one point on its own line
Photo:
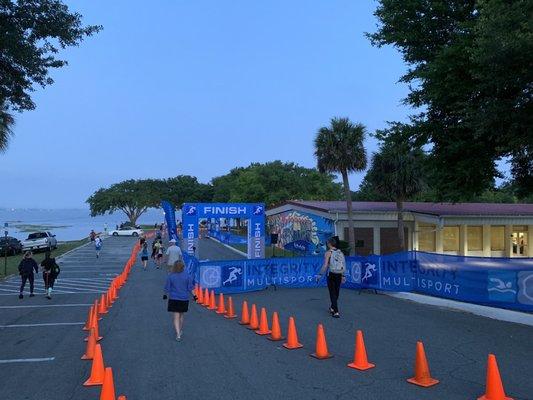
x=220 y=359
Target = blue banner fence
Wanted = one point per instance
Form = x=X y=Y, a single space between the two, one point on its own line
x=498 y=282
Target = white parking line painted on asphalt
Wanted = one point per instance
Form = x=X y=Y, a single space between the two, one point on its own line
x=48 y=305
x=39 y=325
x=26 y=360
x=56 y=292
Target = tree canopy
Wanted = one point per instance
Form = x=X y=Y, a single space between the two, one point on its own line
x=32 y=34
x=471 y=75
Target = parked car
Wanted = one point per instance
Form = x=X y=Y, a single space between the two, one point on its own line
x=40 y=241
x=12 y=245
x=126 y=231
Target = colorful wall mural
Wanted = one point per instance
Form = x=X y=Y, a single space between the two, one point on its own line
x=301 y=232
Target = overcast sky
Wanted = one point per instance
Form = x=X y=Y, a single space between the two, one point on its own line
x=198 y=87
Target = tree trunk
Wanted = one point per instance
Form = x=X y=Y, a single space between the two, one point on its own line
x=401 y=231
x=348 y=195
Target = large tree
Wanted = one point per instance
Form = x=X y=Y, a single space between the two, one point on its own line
x=133 y=197
x=396 y=170
x=339 y=148
x=31 y=35
x=471 y=75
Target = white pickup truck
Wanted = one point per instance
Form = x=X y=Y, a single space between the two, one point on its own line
x=40 y=241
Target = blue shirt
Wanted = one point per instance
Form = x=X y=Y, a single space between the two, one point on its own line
x=178 y=286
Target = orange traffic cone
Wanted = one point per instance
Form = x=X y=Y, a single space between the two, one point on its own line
x=292 y=336
x=254 y=322
x=89 y=322
x=94 y=331
x=200 y=296
x=212 y=301
x=494 y=388
x=221 y=305
x=422 y=375
x=263 y=324
x=321 y=348
x=95 y=310
x=206 y=298
x=108 y=300
x=121 y=397
x=245 y=315
x=91 y=343
x=276 y=330
x=231 y=312
x=102 y=305
x=108 y=388
x=360 y=360
x=97 y=369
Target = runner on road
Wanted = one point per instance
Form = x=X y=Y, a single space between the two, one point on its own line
x=336 y=264
x=144 y=255
x=50 y=272
x=159 y=251
x=98 y=245
x=173 y=254
x=178 y=290
x=26 y=267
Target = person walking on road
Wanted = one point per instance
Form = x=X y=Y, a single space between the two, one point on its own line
x=50 y=272
x=26 y=267
x=144 y=255
x=92 y=235
x=335 y=263
x=178 y=289
x=160 y=251
x=98 y=245
x=173 y=254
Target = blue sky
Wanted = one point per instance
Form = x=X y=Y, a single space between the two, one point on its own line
x=198 y=87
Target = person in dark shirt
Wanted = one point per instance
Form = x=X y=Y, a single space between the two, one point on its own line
x=50 y=272
x=26 y=267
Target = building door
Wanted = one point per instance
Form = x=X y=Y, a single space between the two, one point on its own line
x=520 y=243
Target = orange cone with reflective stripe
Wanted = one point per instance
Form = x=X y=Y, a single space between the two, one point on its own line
x=321 y=348
x=89 y=322
x=221 y=305
x=494 y=387
x=91 y=343
x=200 y=296
x=94 y=331
x=422 y=375
x=212 y=301
x=292 y=336
x=206 y=298
x=231 y=312
x=102 y=305
x=245 y=315
x=276 y=329
x=263 y=323
x=97 y=369
x=360 y=360
x=254 y=321
x=108 y=301
x=108 y=388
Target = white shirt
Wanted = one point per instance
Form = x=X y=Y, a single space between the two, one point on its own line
x=174 y=254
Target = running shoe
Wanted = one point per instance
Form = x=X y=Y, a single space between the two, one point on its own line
x=21 y=296
x=31 y=295
x=336 y=315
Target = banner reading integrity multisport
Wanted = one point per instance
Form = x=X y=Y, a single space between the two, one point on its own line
x=498 y=282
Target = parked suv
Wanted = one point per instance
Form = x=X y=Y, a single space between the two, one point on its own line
x=40 y=241
x=12 y=245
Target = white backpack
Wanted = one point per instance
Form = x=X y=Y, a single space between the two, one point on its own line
x=337 y=263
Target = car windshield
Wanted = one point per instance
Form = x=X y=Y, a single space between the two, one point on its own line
x=37 y=235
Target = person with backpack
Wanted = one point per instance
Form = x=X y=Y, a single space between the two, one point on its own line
x=144 y=255
x=50 y=272
x=335 y=263
x=26 y=267
x=98 y=245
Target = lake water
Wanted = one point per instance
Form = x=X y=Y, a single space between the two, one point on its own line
x=66 y=224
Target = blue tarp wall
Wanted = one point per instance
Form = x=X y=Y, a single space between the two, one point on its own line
x=498 y=282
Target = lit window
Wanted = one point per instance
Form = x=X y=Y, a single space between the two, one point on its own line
x=450 y=238
x=475 y=238
x=497 y=238
x=426 y=238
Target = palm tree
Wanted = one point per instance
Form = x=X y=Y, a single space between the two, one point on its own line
x=339 y=148
x=6 y=122
x=396 y=171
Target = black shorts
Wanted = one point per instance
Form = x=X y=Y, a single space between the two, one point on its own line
x=144 y=258
x=180 y=306
x=160 y=256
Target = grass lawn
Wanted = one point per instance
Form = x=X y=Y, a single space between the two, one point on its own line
x=13 y=261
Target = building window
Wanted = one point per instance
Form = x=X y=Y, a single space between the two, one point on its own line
x=497 y=238
x=475 y=238
x=426 y=238
x=450 y=238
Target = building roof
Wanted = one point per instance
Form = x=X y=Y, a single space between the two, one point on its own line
x=440 y=209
